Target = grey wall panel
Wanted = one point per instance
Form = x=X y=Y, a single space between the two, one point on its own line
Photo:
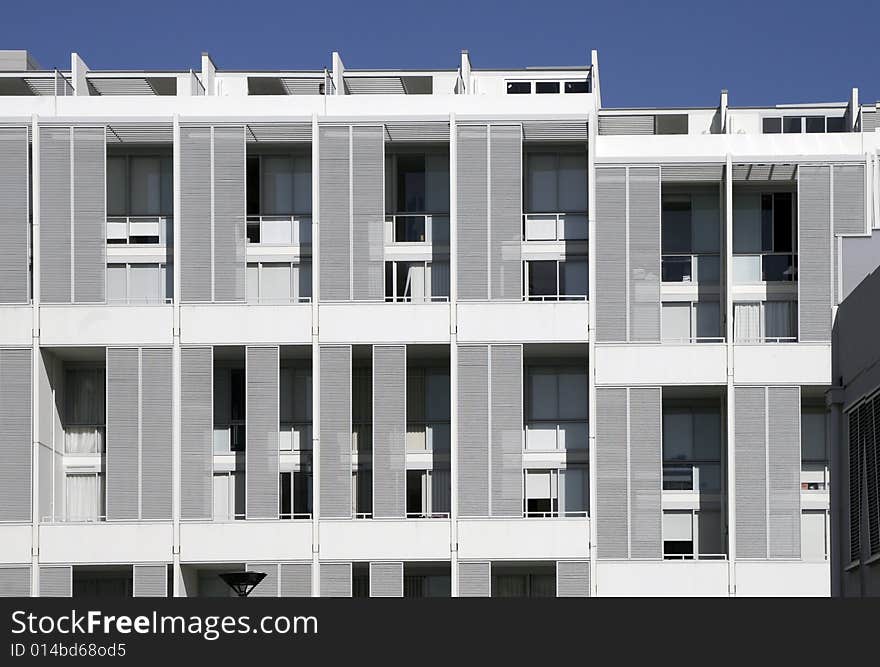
x=697 y=172
x=296 y=580
x=334 y=205
x=196 y=248
x=269 y=587
x=610 y=257
x=56 y=581
x=262 y=433
x=14 y=219
x=389 y=431
x=196 y=433
x=151 y=581
x=573 y=579
x=386 y=580
x=473 y=430
x=123 y=434
x=335 y=432
x=644 y=254
x=626 y=124
x=612 y=476
x=474 y=579
x=849 y=199
x=16 y=441
x=89 y=215
x=56 y=215
x=335 y=580
x=505 y=211
x=646 y=472
x=506 y=429
x=229 y=214
x=368 y=213
x=156 y=449
x=784 y=471
x=15 y=581
x=472 y=174
x=750 y=475
x=814 y=253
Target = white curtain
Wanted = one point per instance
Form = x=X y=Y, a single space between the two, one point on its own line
x=83 y=440
x=84 y=410
x=83 y=494
x=747 y=322
x=778 y=319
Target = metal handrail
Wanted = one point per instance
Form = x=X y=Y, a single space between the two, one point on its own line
x=583 y=514
x=428 y=222
x=695 y=556
x=409 y=299
x=427 y=515
x=128 y=220
x=555 y=297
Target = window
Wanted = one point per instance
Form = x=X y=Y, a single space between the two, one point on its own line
x=835 y=124
x=814 y=449
x=411 y=183
x=690 y=231
x=772 y=125
x=556 y=408
x=692 y=440
x=294 y=502
x=229 y=410
x=799 y=124
x=678 y=535
x=138 y=283
x=687 y=321
x=279 y=185
x=541 y=493
x=84 y=496
x=295 y=409
x=792 y=124
x=139 y=185
x=814 y=535
x=519 y=87
x=229 y=496
x=523 y=584
x=577 y=86
x=551 y=280
x=764 y=234
x=671 y=123
x=278 y=282
x=84 y=410
x=815 y=124
x=543 y=87
x=556 y=183
x=415 y=483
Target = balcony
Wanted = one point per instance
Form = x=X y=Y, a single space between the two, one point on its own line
x=692 y=476
x=555 y=227
x=417 y=230
x=760 y=268
x=279 y=230
x=696 y=268
x=139 y=230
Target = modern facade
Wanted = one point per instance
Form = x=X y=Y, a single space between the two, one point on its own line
x=417 y=333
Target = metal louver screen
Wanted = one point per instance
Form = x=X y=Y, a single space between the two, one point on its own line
x=386 y=580
x=156 y=411
x=335 y=432
x=56 y=215
x=814 y=253
x=296 y=580
x=16 y=440
x=262 y=433
x=612 y=478
x=196 y=433
x=849 y=199
x=151 y=581
x=123 y=434
x=872 y=467
x=15 y=581
x=229 y=214
x=368 y=213
x=854 y=507
x=196 y=247
x=335 y=580
x=644 y=254
x=505 y=212
x=89 y=215
x=573 y=579
x=750 y=478
x=870 y=120
x=334 y=202
x=626 y=124
x=506 y=430
x=472 y=182
x=611 y=254
x=473 y=430
x=645 y=472
x=474 y=579
x=784 y=471
x=389 y=431
x=14 y=219
x=56 y=581
x=269 y=586
x=698 y=172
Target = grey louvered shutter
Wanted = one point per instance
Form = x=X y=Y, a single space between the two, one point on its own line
x=196 y=433
x=472 y=226
x=814 y=253
x=644 y=254
x=505 y=212
x=56 y=581
x=854 y=506
x=389 y=431
x=89 y=215
x=334 y=443
x=697 y=172
x=156 y=449
x=612 y=476
x=16 y=441
x=474 y=579
x=386 y=580
x=296 y=580
x=229 y=213
x=610 y=254
x=14 y=218
x=335 y=580
x=15 y=581
x=150 y=581
x=784 y=471
x=750 y=478
x=506 y=426
x=368 y=213
x=849 y=199
x=196 y=248
x=262 y=433
x=269 y=586
x=573 y=579
x=473 y=430
x=56 y=215
x=334 y=206
x=123 y=434
x=626 y=124
x=645 y=472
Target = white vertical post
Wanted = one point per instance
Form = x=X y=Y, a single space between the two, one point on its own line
x=453 y=357
x=316 y=362
x=178 y=590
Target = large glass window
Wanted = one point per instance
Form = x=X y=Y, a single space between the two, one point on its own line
x=692 y=439
x=139 y=185
x=556 y=408
x=556 y=182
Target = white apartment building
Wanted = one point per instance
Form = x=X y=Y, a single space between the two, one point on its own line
x=416 y=333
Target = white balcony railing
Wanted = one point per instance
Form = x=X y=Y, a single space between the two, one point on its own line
x=138 y=229
x=814 y=476
x=417 y=228
x=684 y=268
x=692 y=476
x=760 y=268
x=279 y=230
x=555 y=227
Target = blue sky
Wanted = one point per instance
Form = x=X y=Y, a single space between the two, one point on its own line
x=650 y=53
